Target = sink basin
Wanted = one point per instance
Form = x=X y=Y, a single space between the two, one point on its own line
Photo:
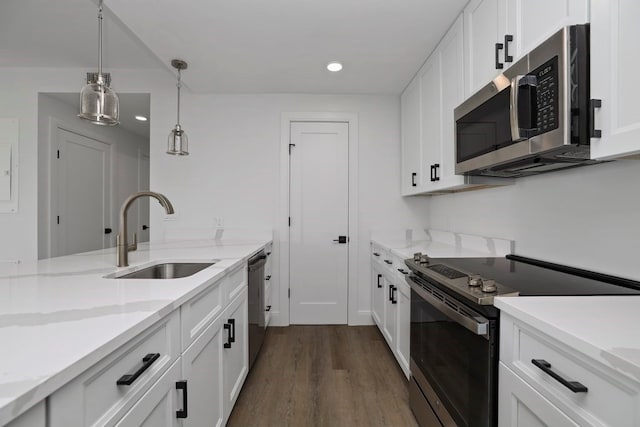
x=168 y=270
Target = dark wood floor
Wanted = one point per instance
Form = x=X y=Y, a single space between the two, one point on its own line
x=324 y=376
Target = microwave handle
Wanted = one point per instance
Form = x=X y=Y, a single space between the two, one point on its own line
x=516 y=83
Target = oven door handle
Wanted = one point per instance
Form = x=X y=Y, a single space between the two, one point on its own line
x=478 y=325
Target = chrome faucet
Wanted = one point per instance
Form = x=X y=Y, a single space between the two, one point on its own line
x=123 y=246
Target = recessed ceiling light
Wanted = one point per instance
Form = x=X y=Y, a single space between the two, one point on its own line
x=141 y=118
x=334 y=66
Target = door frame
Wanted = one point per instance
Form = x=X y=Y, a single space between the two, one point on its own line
x=281 y=316
x=53 y=145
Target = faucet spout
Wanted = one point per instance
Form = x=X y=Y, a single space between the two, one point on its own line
x=123 y=247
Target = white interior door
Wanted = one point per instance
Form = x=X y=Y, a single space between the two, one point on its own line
x=81 y=194
x=319 y=209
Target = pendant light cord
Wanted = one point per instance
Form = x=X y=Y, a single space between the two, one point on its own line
x=179 y=85
x=100 y=41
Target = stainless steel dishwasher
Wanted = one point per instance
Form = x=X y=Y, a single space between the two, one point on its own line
x=257 y=325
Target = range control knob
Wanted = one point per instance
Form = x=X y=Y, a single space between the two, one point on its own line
x=489 y=286
x=424 y=259
x=417 y=256
x=474 y=280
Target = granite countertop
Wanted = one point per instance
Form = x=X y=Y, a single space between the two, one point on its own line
x=60 y=316
x=602 y=327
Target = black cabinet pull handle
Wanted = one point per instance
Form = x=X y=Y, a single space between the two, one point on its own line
x=574 y=386
x=388 y=262
x=182 y=385
x=232 y=334
x=390 y=292
x=413 y=179
x=268 y=308
x=508 y=38
x=376 y=254
x=403 y=271
x=379 y=277
x=593 y=104
x=499 y=65
x=431 y=173
x=435 y=172
x=267 y=278
x=147 y=361
x=227 y=326
x=394 y=289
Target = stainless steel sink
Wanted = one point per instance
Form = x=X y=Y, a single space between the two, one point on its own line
x=168 y=270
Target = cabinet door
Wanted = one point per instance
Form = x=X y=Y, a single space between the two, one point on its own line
x=34 y=417
x=451 y=51
x=410 y=138
x=158 y=406
x=377 y=295
x=614 y=62
x=236 y=357
x=532 y=22
x=390 y=315
x=485 y=24
x=403 y=296
x=519 y=405
x=430 y=100
x=202 y=368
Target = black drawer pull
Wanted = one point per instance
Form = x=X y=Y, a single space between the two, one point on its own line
x=388 y=262
x=403 y=271
x=379 y=277
x=394 y=300
x=508 y=38
x=413 y=179
x=227 y=326
x=574 y=386
x=376 y=254
x=147 y=361
x=267 y=278
x=232 y=334
x=391 y=293
x=182 y=385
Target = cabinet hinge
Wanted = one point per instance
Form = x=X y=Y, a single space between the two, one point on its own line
x=58 y=153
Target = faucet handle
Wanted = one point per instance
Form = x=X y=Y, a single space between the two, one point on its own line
x=133 y=246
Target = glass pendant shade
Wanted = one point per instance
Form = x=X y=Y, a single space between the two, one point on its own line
x=178 y=142
x=99 y=104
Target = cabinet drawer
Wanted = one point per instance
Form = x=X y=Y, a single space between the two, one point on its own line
x=94 y=398
x=610 y=399
x=200 y=311
x=235 y=282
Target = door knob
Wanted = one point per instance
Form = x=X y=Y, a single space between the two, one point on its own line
x=145 y=227
x=341 y=239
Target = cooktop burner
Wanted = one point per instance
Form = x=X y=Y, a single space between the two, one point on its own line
x=479 y=280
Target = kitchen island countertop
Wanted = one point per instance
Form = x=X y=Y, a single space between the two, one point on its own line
x=59 y=316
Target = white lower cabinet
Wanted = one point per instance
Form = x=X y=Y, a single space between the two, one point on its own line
x=154 y=381
x=391 y=303
x=159 y=406
x=235 y=359
x=543 y=381
x=520 y=405
x=34 y=417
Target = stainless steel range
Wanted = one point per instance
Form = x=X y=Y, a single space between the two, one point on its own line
x=454 y=328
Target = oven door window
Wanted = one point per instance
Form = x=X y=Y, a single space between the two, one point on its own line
x=458 y=364
x=485 y=129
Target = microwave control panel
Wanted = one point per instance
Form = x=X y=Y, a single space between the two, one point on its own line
x=547 y=94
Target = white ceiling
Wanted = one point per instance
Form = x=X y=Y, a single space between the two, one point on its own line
x=236 y=46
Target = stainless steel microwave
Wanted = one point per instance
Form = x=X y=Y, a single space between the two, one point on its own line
x=535 y=117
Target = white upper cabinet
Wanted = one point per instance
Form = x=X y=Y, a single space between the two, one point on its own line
x=615 y=33
x=410 y=129
x=430 y=97
x=499 y=32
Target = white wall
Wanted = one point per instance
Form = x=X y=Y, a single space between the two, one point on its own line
x=587 y=217
x=19 y=88
x=234 y=168
x=126 y=147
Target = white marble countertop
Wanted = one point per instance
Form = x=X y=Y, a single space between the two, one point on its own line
x=604 y=328
x=60 y=316
x=443 y=244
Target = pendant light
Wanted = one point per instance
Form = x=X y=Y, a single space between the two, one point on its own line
x=99 y=104
x=178 y=143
